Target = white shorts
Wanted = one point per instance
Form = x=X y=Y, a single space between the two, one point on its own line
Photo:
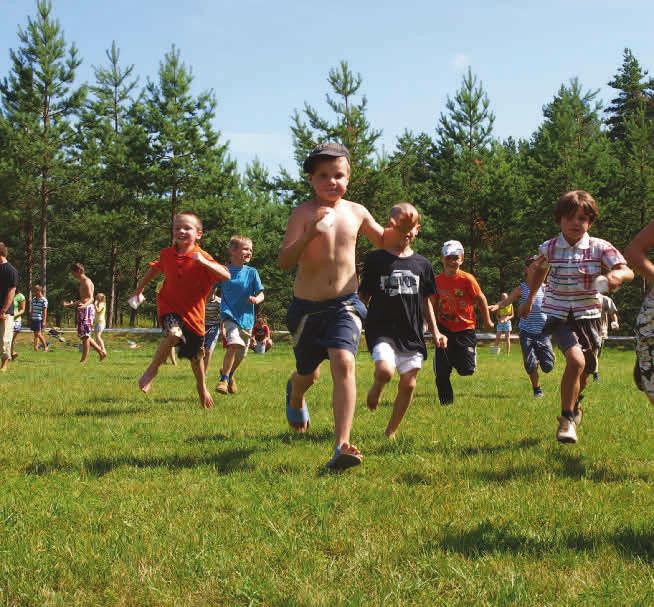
x=234 y=335
x=402 y=361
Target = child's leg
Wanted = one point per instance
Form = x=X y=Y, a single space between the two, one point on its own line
x=341 y=364
x=197 y=364
x=383 y=373
x=159 y=358
x=571 y=381
x=403 y=399
x=442 y=371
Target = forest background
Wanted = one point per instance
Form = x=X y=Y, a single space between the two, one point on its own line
x=94 y=171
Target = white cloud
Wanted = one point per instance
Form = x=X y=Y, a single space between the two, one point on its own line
x=460 y=61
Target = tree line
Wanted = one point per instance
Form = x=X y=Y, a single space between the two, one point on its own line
x=94 y=172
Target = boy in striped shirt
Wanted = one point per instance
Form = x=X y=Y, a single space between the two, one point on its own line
x=572 y=301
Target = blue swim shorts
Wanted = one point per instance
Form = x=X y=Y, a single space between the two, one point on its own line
x=316 y=326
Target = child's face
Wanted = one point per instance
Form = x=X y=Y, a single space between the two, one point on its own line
x=241 y=254
x=452 y=263
x=185 y=231
x=330 y=178
x=574 y=226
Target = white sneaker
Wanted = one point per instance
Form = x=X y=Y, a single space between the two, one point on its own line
x=567 y=430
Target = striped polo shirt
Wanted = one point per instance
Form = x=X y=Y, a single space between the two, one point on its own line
x=573 y=268
x=535 y=321
x=38 y=305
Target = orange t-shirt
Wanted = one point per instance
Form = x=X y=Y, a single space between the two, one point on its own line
x=454 y=301
x=186 y=286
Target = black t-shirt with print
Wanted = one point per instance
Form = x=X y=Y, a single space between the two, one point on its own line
x=8 y=279
x=397 y=287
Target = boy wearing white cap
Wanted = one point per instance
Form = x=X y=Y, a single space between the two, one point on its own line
x=457 y=293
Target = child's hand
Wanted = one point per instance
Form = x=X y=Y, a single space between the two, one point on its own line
x=440 y=340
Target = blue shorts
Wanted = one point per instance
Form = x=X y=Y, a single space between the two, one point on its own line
x=317 y=326
x=536 y=350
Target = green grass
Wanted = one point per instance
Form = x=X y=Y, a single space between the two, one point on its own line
x=111 y=497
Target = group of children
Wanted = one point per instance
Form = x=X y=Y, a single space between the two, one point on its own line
x=398 y=297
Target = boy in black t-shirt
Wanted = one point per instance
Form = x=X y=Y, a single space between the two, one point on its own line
x=397 y=284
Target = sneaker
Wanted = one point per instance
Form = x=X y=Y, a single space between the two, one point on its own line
x=232 y=388
x=538 y=392
x=221 y=387
x=567 y=430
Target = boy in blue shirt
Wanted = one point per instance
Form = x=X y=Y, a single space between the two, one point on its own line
x=239 y=295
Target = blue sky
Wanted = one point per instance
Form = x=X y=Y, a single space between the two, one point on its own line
x=264 y=59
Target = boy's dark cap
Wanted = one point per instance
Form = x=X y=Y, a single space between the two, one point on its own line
x=325 y=150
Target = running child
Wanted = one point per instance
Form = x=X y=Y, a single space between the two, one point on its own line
x=189 y=275
x=636 y=254
x=238 y=296
x=85 y=312
x=457 y=294
x=39 y=315
x=325 y=315
x=397 y=285
x=19 y=310
x=536 y=347
x=572 y=301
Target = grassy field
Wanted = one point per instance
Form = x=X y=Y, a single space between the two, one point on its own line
x=111 y=497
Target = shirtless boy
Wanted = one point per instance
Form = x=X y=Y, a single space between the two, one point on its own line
x=325 y=316
x=85 y=312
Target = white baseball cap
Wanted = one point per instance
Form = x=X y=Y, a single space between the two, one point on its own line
x=452 y=247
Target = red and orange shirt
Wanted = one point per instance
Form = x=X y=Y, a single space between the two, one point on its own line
x=186 y=286
x=454 y=302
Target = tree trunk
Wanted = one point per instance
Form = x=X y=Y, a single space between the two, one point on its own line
x=113 y=274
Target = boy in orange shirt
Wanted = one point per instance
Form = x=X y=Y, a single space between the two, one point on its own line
x=190 y=274
x=457 y=293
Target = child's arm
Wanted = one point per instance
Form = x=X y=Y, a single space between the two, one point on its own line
x=297 y=237
x=535 y=277
x=482 y=304
x=440 y=341
x=636 y=252
x=152 y=272
x=256 y=299
x=217 y=269
x=509 y=299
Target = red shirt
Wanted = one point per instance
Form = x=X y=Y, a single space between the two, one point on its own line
x=186 y=286
x=454 y=301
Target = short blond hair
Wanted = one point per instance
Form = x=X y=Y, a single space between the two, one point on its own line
x=237 y=240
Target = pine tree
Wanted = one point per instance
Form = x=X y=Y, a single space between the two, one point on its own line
x=39 y=101
x=464 y=139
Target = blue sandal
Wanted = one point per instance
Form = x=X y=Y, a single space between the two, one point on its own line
x=296 y=417
x=343 y=461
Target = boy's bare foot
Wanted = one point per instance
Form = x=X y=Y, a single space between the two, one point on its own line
x=373 y=396
x=145 y=383
x=206 y=400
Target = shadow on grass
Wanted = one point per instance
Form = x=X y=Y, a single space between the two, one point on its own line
x=226 y=462
x=487 y=538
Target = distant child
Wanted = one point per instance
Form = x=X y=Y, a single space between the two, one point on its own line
x=261 y=341
x=238 y=296
x=189 y=274
x=39 y=316
x=325 y=315
x=85 y=312
x=19 y=311
x=609 y=318
x=636 y=253
x=100 y=305
x=211 y=326
x=572 y=302
x=397 y=285
x=536 y=347
x=457 y=293
x=503 y=327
